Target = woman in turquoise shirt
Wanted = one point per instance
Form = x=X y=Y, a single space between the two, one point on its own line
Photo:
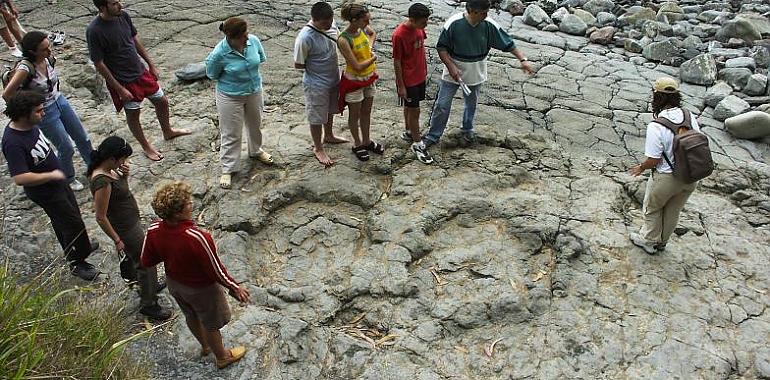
x=234 y=64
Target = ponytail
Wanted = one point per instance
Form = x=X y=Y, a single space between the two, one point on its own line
x=112 y=147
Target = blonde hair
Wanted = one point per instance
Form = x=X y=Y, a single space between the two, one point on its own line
x=170 y=199
x=352 y=10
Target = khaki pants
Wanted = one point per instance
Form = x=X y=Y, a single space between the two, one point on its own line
x=234 y=112
x=663 y=201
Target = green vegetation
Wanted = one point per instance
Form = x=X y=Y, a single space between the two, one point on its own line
x=49 y=332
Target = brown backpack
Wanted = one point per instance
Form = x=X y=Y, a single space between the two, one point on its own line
x=692 y=155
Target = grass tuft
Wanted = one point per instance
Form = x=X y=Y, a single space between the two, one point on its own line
x=50 y=332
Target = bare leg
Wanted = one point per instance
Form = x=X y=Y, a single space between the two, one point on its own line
x=329 y=136
x=318 y=146
x=161 y=111
x=132 y=117
x=6 y=35
x=354 y=112
x=412 y=118
x=198 y=331
x=214 y=339
x=366 y=119
x=13 y=27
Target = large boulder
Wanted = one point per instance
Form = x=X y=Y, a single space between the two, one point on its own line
x=700 y=70
x=737 y=77
x=596 y=6
x=605 y=18
x=559 y=14
x=738 y=28
x=741 y=62
x=637 y=18
x=587 y=17
x=549 y=6
x=632 y=45
x=761 y=55
x=730 y=106
x=756 y=85
x=671 y=11
x=574 y=25
x=514 y=7
x=716 y=93
x=192 y=71
x=750 y=125
x=602 y=36
x=692 y=42
x=535 y=16
x=710 y=15
x=760 y=22
x=661 y=51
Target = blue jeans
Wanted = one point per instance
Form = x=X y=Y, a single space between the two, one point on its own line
x=443 y=106
x=59 y=124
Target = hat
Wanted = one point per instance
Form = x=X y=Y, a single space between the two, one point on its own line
x=667 y=85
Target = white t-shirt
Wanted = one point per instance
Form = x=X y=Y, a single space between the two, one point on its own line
x=660 y=139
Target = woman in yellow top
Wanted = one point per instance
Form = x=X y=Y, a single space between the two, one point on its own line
x=357 y=82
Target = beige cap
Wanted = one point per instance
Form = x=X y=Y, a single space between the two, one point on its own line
x=667 y=85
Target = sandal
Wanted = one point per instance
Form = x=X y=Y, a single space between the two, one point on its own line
x=361 y=153
x=264 y=157
x=375 y=148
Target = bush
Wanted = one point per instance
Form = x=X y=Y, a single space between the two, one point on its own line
x=47 y=331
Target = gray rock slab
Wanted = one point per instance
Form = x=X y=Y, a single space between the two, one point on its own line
x=535 y=16
x=574 y=25
x=735 y=77
x=730 y=106
x=756 y=85
x=660 y=51
x=716 y=93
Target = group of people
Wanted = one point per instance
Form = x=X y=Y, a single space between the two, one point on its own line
x=42 y=119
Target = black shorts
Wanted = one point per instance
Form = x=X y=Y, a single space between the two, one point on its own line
x=413 y=96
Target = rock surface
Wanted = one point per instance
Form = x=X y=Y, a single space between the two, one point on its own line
x=700 y=70
x=730 y=106
x=750 y=125
x=392 y=269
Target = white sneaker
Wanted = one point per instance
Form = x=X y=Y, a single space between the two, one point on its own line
x=640 y=242
x=16 y=52
x=421 y=152
x=75 y=185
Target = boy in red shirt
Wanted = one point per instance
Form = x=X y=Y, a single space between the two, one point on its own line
x=411 y=71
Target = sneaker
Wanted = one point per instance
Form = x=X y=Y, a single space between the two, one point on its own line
x=639 y=241
x=156 y=312
x=59 y=37
x=75 y=185
x=84 y=270
x=406 y=136
x=469 y=137
x=421 y=152
x=16 y=52
x=235 y=354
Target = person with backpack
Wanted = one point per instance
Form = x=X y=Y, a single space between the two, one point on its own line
x=36 y=73
x=678 y=155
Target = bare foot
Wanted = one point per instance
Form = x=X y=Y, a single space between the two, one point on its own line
x=152 y=154
x=335 y=140
x=174 y=133
x=322 y=157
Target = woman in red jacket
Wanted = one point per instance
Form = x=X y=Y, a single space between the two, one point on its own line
x=194 y=273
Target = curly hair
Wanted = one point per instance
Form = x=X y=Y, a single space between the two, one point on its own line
x=352 y=10
x=170 y=199
x=662 y=100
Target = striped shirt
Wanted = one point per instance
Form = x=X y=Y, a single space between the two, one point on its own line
x=188 y=253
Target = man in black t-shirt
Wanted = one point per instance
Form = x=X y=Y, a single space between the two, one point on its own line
x=33 y=164
x=117 y=53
